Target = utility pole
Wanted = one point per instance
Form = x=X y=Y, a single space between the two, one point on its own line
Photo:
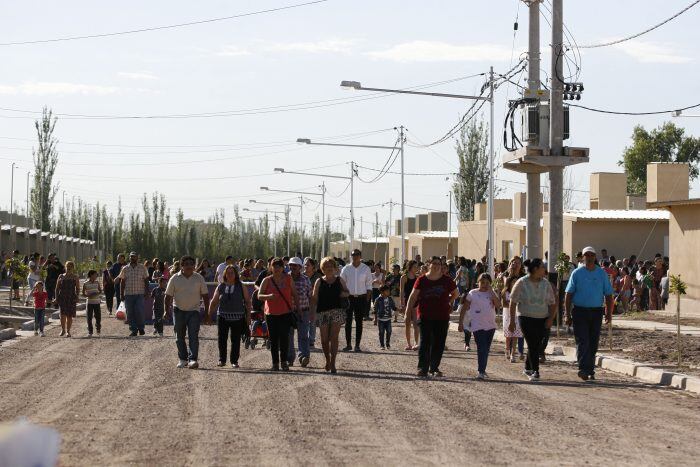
x=352 y=207
x=289 y=229
x=492 y=155
x=403 y=200
x=391 y=217
x=556 y=137
x=301 y=223
x=376 y=233
x=449 y=225
x=12 y=206
x=323 y=219
x=534 y=209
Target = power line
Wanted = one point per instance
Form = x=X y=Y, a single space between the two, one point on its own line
x=634 y=36
x=160 y=28
x=612 y=112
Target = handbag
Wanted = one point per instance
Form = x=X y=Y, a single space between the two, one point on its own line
x=294 y=319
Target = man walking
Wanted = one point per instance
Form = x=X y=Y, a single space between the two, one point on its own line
x=358 y=278
x=304 y=289
x=114 y=271
x=219 y=276
x=133 y=289
x=588 y=287
x=185 y=290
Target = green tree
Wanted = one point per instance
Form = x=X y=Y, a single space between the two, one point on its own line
x=472 y=181
x=668 y=143
x=45 y=162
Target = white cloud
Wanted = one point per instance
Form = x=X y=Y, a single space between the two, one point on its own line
x=433 y=51
x=43 y=88
x=652 y=52
x=142 y=76
x=322 y=46
x=231 y=51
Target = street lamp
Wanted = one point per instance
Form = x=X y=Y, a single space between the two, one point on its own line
x=356 y=85
x=322 y=186
x=352 y=177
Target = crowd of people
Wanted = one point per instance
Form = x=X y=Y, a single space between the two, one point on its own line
x=291 y=297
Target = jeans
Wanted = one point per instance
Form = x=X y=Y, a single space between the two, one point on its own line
x=467 y=337
x=304 y=327
x=278 y=328
x=158 y=319
x=39 y=319
x=291 y=351
x=483 y=339
x=521 y=345
x=109 y=300
x=359 y=306
x=384 y=329
x=186 y=321
x=134 y=311
x=545 y=340
x=93 y=309
x=433 y=334
x=236 y=328
x=587 y=324
x=534 y=332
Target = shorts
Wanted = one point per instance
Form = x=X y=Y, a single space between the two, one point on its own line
x=335 y=316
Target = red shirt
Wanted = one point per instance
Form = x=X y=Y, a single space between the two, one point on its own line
x=434 y=299
x=40 y=299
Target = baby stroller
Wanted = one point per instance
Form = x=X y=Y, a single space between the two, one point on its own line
x=258 y=330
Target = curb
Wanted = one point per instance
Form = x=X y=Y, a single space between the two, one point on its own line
x=8 y=333
x=640 y=371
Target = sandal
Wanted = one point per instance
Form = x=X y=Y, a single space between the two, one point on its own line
x=409 y=347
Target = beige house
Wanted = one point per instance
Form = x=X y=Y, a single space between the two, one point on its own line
x=432 y=243
x=668 y=188
x=375 y=249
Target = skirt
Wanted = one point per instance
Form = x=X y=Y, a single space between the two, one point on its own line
x=335 y=316
x=506 y=324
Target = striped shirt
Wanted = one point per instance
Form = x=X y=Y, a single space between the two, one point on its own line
x=92 y=290
x=303 y=287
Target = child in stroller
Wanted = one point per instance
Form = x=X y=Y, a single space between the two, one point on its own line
x=258 y=330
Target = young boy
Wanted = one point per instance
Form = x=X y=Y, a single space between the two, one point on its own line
x=40 y=297
x=384 y=307
x=92 y=290
x=158 y=296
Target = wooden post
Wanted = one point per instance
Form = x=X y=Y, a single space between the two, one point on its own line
x=678 y=327
x=610 y=333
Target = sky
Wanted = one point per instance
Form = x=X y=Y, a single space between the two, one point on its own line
x=264 y=80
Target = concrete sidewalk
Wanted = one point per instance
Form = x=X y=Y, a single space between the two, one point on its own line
x=655 y=326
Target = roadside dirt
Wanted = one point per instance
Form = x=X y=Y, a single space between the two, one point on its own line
x=121 y=401
x=650 y=316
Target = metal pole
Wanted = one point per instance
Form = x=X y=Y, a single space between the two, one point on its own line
x=287 y=214
x=491 y=157
x=323 y=220
x=449 y=225
x=301 y=222
x=403 y=203
x=376 y=233
x=534 y=208
x=352 y=203
x=275 y=236
x=12 y=208
x=556 y=133
x=391 y=217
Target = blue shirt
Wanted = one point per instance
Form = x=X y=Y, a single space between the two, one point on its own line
x=589 y=288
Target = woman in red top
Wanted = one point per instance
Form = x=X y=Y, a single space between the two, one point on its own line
x=434 y=293
x=280 y=297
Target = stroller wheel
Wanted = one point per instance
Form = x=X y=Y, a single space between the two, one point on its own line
x=267 y=344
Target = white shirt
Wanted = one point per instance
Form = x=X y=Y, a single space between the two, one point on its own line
x=34 y=271
x=186 y=291
x=358 y=279
x=482 y=313
x=220 y=271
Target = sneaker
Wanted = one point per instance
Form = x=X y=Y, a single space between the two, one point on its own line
x=415 y=347
x=582 y=374
x=591 y=377
x=220 y=363
x=543 y=359
x=63 y=333
x=536 y=375
x=89 y=334
x=347 y=348
x=285 y=366
x=155 y=332
x=358 y=349
x=467 y=348
x=98 y=332
x=388 y=347
x=160 y=334
x=422 y=374
x=133 y=334
x=275 y=367
x=438 y=374
x=382 y=347
x=41 y=334
x=512 y=359
x=142 y=332
x=304 y=361
x=481 y=376
x=36 y=333
x=182 y=364
x=193 y=365
x=527 y=373
x=521 y=357
x=234 y=365
x=68 y=334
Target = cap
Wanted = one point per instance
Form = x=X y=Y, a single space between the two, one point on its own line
x=297 y=261
x=356 y=252
x=589 y=249
x=133 y=253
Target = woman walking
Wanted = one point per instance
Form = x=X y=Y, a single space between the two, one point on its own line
x=108 y=287
x=512 y=337
x=232 y=304
x=434 y=294
x=279 y=295
x=408 y=280
x=481 y=305
x=67 y=291
x=534 y=301
x=328 y=292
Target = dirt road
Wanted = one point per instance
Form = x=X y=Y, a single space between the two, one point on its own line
x=118 y=400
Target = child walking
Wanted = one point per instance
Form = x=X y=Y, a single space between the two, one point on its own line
x=158 y=296
x=481 y=304
x=92 y=290
x=40 y=298
x=384 y=308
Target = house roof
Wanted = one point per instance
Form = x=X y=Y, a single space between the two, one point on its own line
x=436 y=234
x=373 y=240
x=619 y=214
x=680 y=202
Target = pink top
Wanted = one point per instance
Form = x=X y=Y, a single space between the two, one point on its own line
x=278 y=305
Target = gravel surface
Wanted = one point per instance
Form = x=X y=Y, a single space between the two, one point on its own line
x=121 y=401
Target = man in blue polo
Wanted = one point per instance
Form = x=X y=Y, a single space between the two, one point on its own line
x=588 y=288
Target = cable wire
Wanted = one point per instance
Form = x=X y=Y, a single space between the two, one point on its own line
x=612 y=112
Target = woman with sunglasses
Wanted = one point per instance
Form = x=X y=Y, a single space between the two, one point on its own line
x=280 y=298
x=434 y=293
